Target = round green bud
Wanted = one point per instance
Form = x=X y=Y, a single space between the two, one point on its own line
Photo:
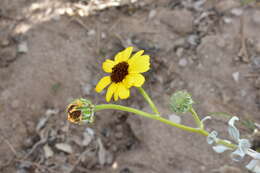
x=181 y=102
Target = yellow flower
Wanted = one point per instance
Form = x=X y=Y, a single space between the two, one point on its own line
x=124 y=73
x=80 y=111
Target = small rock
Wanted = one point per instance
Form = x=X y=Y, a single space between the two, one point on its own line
x=103 y=35
x=90 y=131
x=237 y=11
x=235 y=76
x=256 y=62
x=227 y=20
x=223 y=6
x=22 y=47
x=183 y=62
x=101 y=153
x=152 y=14
x=28 y=142
x=175 y=118
x=181 y=21
x=257 y=83
x=179 y=52
x=64 y=147
x=91 y=32
x=87 y=138
x=193 y=40
x=47 y=151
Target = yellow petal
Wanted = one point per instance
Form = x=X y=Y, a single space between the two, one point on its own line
x=116 y=94
x=103 y=83
x=123 y=91
x=110 y=91
x=139 y=64
x=135 y=79
x=123 y=55
x=108 y=65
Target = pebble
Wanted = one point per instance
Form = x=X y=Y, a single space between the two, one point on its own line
x=179 y=52
x=22 y=47
x=175 y=118
x=87 y=138
x=91 y=32
x=64 y=147
x=235 y=76
x=193 y=39
x=90 y=131
x=47 y=151
x=101 y=153
x=183 y=62
x=237 y=11
x=152 y=14
x=227 y=20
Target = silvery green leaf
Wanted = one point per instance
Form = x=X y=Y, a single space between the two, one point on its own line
x=212 y=137
x=232 y=130
x=254 y=166
x=253 y=154
x=205 y=118
x=220 y=148
x=244 y=145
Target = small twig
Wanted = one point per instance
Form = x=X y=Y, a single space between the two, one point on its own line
x=80 y=22
x=78 y=161
x=10 y=146
x=243 y=54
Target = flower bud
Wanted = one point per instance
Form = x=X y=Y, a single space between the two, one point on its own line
x=181 y=102
x=80 y=111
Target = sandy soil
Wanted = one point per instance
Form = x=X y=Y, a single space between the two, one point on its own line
x=51 y=52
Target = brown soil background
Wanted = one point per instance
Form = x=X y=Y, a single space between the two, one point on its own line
x=193 y=47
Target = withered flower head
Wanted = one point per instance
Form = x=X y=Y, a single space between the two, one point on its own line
x=80 y=111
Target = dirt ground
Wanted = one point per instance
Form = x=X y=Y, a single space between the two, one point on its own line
x=51 y=52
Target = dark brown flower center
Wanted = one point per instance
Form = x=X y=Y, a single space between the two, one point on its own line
x=75 y=115
x=119 y=72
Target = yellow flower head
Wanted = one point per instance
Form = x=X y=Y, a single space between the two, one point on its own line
x=125 y=72
x=80 y=111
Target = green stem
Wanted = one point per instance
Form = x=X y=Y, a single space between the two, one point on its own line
x=159 y=118
x=196 y=118
x=145 y=114
x=149 y=100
